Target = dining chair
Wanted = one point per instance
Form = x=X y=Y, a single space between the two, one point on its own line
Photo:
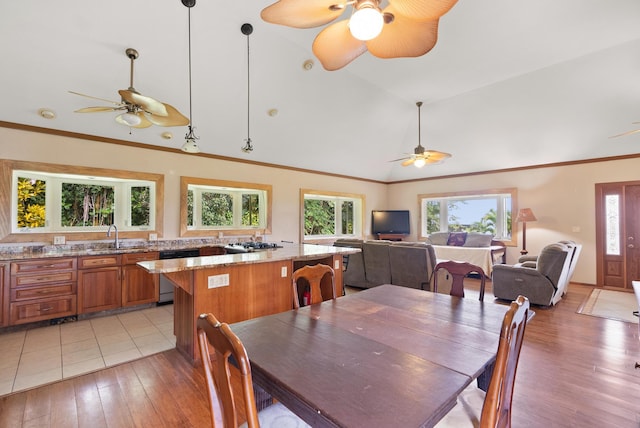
x=222 y=401
x=496 y=403
x=458 y=271
x=313 y=274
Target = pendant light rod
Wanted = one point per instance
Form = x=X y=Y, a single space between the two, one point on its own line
x=247 y=29
x=419 y=104
x=190 y=144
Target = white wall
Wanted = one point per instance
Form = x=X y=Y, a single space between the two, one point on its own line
x=562 y=199
x=30 y=146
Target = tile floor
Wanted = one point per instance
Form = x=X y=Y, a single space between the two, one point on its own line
x=47 y=354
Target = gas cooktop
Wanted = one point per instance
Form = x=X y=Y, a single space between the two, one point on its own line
x=247 y=247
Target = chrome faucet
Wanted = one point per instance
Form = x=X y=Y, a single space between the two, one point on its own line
x=117 y=243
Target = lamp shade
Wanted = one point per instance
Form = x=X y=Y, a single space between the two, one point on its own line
x=525 y=215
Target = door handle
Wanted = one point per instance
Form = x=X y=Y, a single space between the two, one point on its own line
x=631 y=246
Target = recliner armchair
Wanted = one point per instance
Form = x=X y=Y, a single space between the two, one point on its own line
x=543 y=285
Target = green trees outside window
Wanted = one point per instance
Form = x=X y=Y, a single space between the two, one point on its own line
x=488 y=213
x=31 y=203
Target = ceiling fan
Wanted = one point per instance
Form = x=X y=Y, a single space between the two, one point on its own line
x=404 y=28
x=624 y=134
x=420 y=156
x=139 y=111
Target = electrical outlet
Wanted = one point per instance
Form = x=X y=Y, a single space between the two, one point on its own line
x=59 y=240
x=215 y=281
x=283 y=272
x=153 y=237
x=336 y=264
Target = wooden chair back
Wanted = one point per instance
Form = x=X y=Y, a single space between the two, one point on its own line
x=496 y=411
x=221 y=399
x=458 y=271
x=313 y=274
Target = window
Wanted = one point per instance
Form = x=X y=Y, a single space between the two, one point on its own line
x=482 y=211
x=52 y=202
x=216 y=207
x=47 y=199
x=331 y=215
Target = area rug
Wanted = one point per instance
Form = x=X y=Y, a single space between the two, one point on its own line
x=615 y=305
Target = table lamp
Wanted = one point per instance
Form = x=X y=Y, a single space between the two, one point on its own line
x=525 y=215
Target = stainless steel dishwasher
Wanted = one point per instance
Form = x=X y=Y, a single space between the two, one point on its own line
x=166 y=287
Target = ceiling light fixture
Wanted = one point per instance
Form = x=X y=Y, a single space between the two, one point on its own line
x=129 y=119
x=367 y=21
x=46 y=113
x=247 y=29
x=190 y=145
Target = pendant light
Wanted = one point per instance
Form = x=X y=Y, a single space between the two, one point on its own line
x=247 y=29
x=190 y=145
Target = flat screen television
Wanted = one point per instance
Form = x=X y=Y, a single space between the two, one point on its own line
x=390 y=222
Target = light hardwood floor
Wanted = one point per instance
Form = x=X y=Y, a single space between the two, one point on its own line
x=575 y=371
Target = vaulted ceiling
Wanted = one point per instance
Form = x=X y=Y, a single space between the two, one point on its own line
x=508 y=84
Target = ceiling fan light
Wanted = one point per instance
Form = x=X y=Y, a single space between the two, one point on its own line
x=366 y=23
x=130 y=119
x=419 y=163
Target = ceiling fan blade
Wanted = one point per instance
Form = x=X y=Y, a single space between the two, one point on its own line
x=624 y=134
x=96 y=98
x=173 y=117
x=396 y=160
x=335 y=47
x=421 y=9
x=404 y=37
x=303 y=13
x=144 y=122
x=408 y=162
x=148 y=104
x=97 y=109
x=434 y=156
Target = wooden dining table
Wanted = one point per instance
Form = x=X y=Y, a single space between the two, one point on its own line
x=388 y=356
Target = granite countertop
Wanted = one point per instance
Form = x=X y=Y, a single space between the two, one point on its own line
x=27 y=252
x=288 y=252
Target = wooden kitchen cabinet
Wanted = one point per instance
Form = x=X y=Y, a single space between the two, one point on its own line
x=41 y=289
x=4 y=294
x=138 y=285
x=99 y=283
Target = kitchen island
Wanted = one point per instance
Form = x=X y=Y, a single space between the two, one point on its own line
x=238 y=287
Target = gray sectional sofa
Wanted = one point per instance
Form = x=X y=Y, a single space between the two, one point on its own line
x=388 y=262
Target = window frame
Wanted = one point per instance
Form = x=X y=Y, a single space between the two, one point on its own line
x=471 y=194
x=7 y=203
x=359 y=204
x=225 y=186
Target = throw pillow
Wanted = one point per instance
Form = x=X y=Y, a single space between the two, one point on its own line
x=476 y=239
x=457 y=238
x=439 y=238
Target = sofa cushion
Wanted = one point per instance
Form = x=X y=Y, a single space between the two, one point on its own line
x=476 y=239
x=457 y=238
x=439 y=238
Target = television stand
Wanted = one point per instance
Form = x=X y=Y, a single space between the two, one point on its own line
x=390 y=236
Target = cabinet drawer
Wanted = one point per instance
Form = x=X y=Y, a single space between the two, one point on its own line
x=133 y=258
x=26 y=293
x=43 y=278
x=38 y=310
x=87 y=262
x=43 y=265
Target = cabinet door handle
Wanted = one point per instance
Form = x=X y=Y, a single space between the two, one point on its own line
x=46 y=308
